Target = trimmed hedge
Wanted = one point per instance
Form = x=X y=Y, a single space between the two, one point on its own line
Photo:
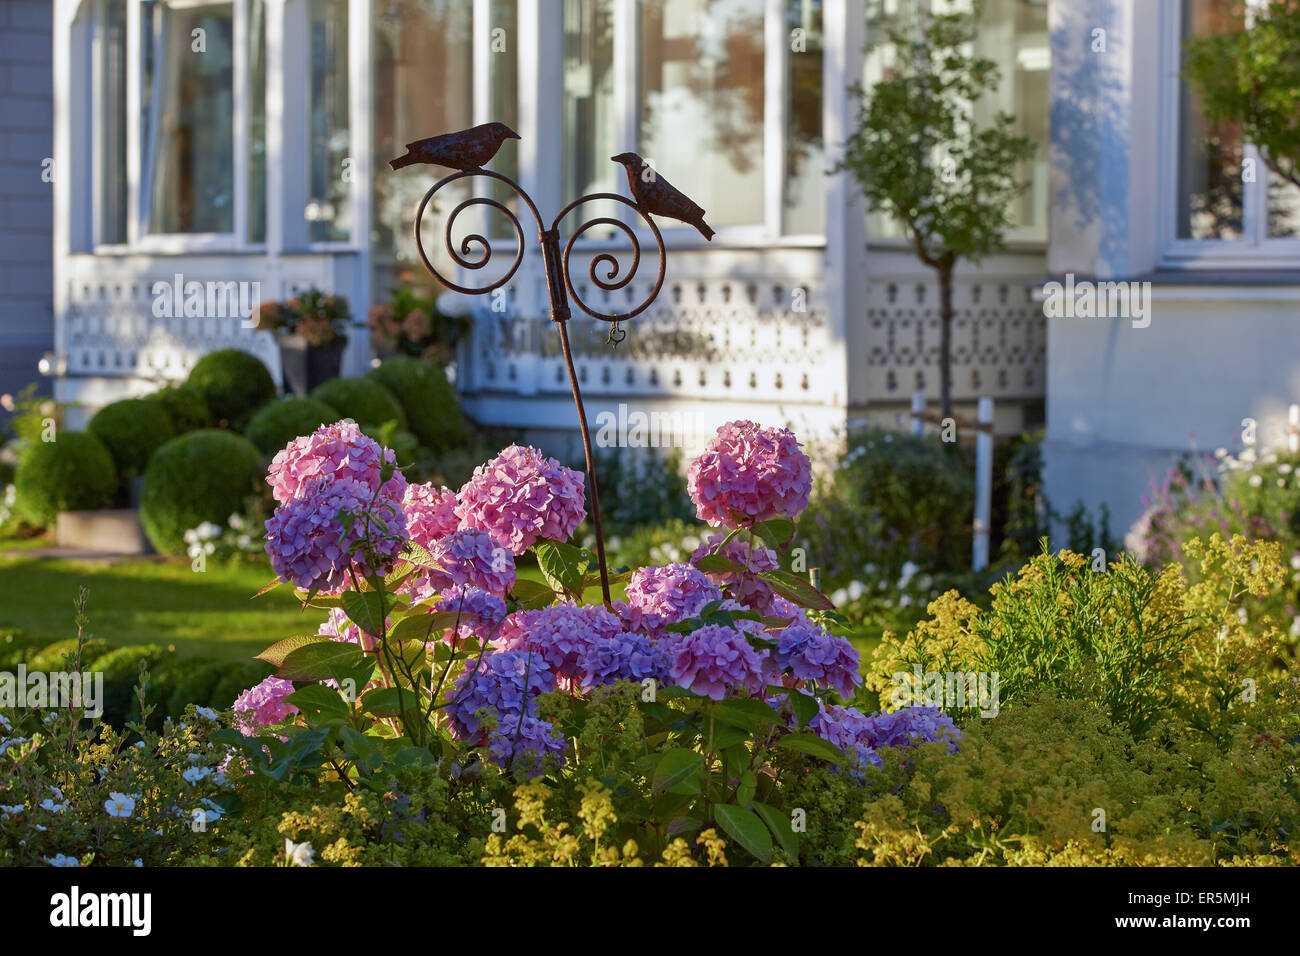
x=202 y=476
x=132 y=430
x=185 y=406
x=53 y=656
x=73 y=473
x=234 y=384
x=364 y=401
x=429 y=400
x=276 y=424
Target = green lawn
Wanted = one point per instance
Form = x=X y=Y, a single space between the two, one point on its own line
x=148 y=602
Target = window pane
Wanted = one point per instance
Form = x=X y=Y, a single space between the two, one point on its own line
x=879 y=62
x=257 y=121
x=701 y=102
x=113 y=124
x=503 y=82
x=805 y=158
x=1013 y=34
x=422 y=81
x=1283 y=207
x=589 y=123
x=1209 y=157
x=328 y=212
x=189 y=151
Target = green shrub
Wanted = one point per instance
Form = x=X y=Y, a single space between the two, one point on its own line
x=73 y=473
x=185 y=405
x=637 y=490
x=234 y=384
x=431 y=404
x=405 y=446
x=202 y=476
x=277 y=423
x=131 y=430
x=121 y=670
x=893 y=499
x=207 y=682
x=53 y=657
x=363 y=400
x=16 y=647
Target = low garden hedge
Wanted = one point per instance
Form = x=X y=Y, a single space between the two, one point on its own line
x=73 y=473
x=203 y=476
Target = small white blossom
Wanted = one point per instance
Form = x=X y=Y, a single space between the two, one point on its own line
x=299 y=854
x=119 y=805
x=62 y=860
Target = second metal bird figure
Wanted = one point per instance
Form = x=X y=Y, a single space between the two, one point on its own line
x=466 y=150
x=658 y=196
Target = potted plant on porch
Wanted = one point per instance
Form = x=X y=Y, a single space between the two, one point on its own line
x=311 y=332
x=419 y=325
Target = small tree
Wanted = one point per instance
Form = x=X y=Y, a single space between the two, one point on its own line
x=919 y=158
x=1251 y=76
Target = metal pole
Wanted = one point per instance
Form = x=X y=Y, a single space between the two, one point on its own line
x=983 y=486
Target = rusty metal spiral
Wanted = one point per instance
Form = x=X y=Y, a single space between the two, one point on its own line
x=466 y=257
x=612 y=280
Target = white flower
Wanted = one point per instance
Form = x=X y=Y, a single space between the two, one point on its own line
x=1284 y=468
x=61 y=860
x=194 y=774
x=236 y=522
x=119 y=805
x=12 y=742
x=905 y=600
x=840 y=597
x=191 y=536
x=206 y=712
x=856 y=590
x=12 y=809
x=299 y=854
x=48 y=804
x=244 y=542
x=208 y=530
x=138 y=862
x=1256 y=481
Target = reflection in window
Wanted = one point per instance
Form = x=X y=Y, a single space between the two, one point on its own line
x=423 y=57
x=189 y=153
x=1283 y=207
x=588 y=110
x=1013 y=34
x=503 y=90
x=1210 y=198
x=700 y=102
x=805 y=158
x=257 y=121
x=329 y=214
x=112 y=125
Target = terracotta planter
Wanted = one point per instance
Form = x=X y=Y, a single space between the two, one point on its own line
x=306 y=366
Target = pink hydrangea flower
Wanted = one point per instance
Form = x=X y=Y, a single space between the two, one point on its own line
x=430 y=513
x=339 y=627
x=310 y=545
x=263 y=706
x=338 y=451
x=744 y=586
x=713 y=660
x=749 y=474
x=669 y=593
x=466 y=557
x=560 y=634
x=522 y=496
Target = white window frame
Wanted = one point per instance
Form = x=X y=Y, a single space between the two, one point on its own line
x=1255 y=249
x=291 y=236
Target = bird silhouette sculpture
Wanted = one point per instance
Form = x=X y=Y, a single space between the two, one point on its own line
x=658 y=196
x=466 y=150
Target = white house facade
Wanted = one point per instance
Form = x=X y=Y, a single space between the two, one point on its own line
x=245 y=141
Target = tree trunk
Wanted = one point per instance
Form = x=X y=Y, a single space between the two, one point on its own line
x=945 y=340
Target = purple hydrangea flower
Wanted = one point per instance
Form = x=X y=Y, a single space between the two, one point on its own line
x=713 y=660
x=522 y=496
x=526 y=744
x=480 y=612
x=503 y=683
x=462 y=558
x=263 y=706
x=560 y=633
x=812 y=653
x=745 y=586
x=616 y=657
x=749 y=474
x=309 y=544
x=666 y=594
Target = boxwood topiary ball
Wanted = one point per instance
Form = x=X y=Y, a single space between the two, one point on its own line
x=430 y=401
x=74 y=472
x=131 y=430
x=185 y=406
x=276 y=424
x=202 y=476
x=234 y=384
x=364 y=401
